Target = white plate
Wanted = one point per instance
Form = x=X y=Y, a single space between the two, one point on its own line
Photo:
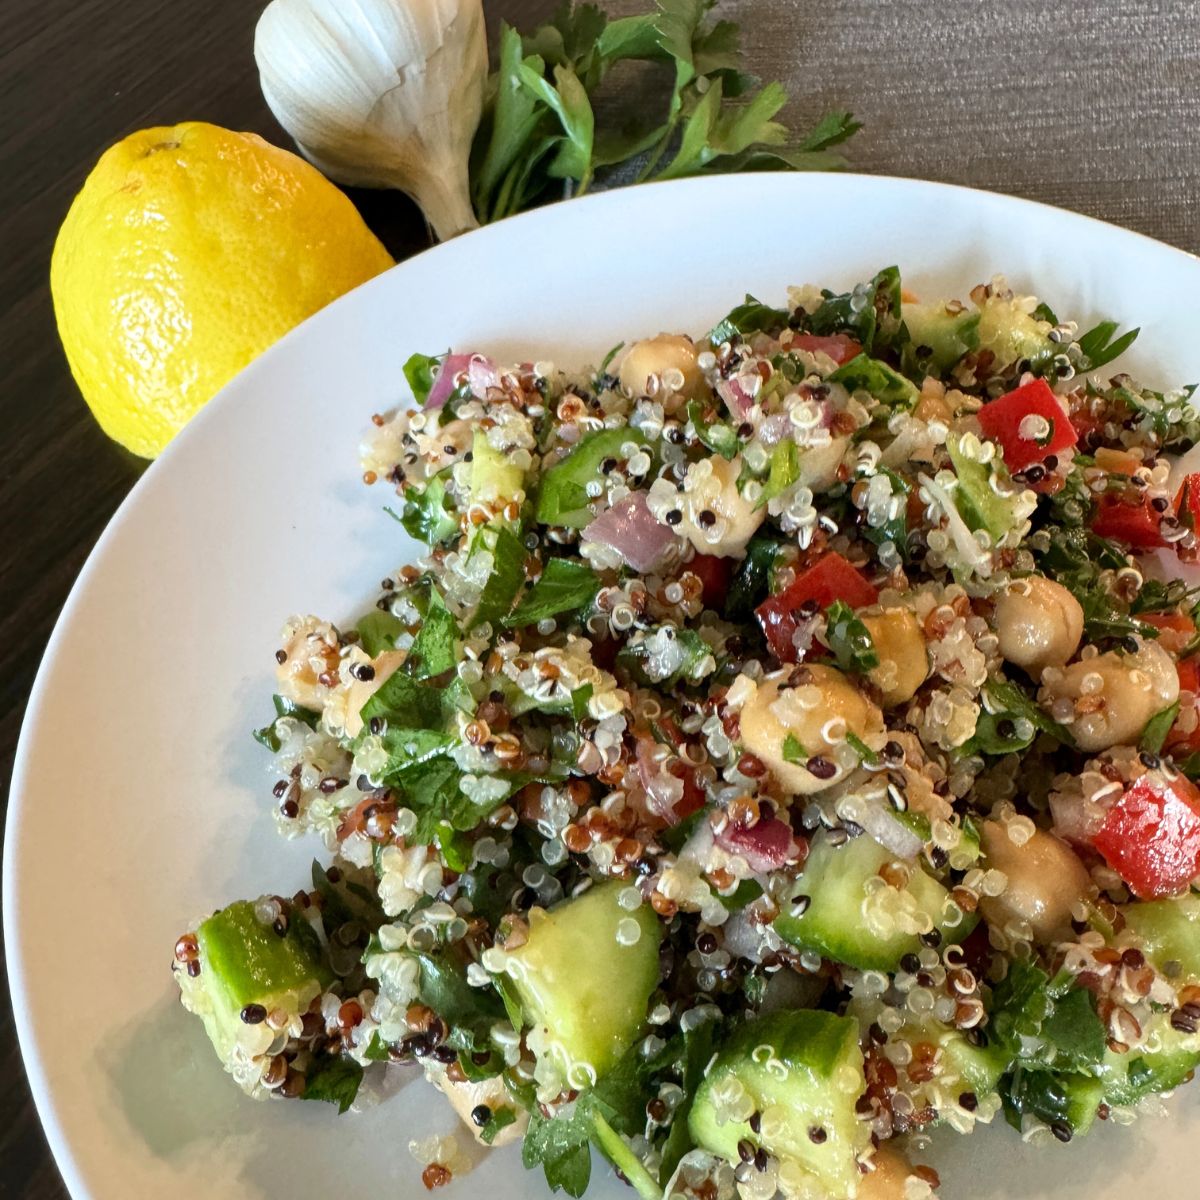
x=138 y=799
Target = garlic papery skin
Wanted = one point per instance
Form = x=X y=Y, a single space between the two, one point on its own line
x=381 y=93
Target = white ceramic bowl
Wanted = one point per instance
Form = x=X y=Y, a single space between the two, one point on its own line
x=139 y=800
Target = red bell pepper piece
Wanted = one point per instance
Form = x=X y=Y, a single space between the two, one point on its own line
x=714 y=574
x=1013 y=423
x=1187 y=502
x=1151 y=836
x=1137 y=525
x=839 y=346
x=830 y=578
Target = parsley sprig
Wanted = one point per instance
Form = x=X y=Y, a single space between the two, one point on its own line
x=541 y=133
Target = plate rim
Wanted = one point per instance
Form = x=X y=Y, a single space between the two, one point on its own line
x=47 y=1103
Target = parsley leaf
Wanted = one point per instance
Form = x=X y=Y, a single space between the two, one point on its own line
x=268 y=735
x=507 y=575
x=785 y=470
x=427 y=514
x=1155 y=733
x=752 y=582
x=435 y=649
x=666 y=655
x=718 y=436
x=421 y=372
x=378 y=630
x=885 y=384
x=1074 y=1031
x=793 y=751
x=1012 y=723
x=1097 y=347
x=870 y=313
x=564 y=586
x=470 y=1012
x=501 y=1118
x=751 y=317
x=335 y=1080
x=849 y=639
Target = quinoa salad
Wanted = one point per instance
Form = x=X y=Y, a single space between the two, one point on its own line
x=782 y=745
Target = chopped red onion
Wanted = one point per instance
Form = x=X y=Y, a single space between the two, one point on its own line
x=879 y=820
x=766 y=846
x=632 y=530
x=480 y=371
x=663 y=790
x=737 y=399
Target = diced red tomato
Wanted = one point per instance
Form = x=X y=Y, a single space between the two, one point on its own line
x=714 y=574
x=1137 y=525
x=839 y=346
x=1004 y=422
x=1151 y=836
x=830 y=578
x=1175 y=629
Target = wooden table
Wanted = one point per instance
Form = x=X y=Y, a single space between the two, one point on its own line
x=1093 y=107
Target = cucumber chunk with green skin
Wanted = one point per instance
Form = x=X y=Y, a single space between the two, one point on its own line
x=1167 y=931
x=244 y=963
x=938 y=338
x=1126 y=1078
x=584 y=980
x=494 y=478
x=562 y=497
x=843 y=920
x=802 y=1071
x=981 y=506
x=1052 y=1097
x=979 y=1067
x=1013 y=335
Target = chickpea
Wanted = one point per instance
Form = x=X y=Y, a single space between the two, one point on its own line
x=1045 y=881
x=903 y=661
x=310 y=650
x=818 y=465
x=655 y=357
x=1039 y=624
x=777 y=709
x=715 y=495
x=1116 y=694
x=361 y=690
x=888 y=1180
x=465 y=1097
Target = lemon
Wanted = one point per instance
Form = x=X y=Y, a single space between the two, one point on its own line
x=187 y=253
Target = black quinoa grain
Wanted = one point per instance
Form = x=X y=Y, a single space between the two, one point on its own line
x=193 y=968
x=800 y=905
x=1061 y=1130
x=254 y=1014
x=363 y=672
x=674 y=516
x=278 y=790
x=746 y=1149
x=376 y=726
x=706 y=943
x=444 y=1054
x=755 y=1122
x=281 y=656
x=280 y=926
x=481 y=1115
x=289 y=809
x=817 y=1134
x=969 y=1101
x=910 y=964
x=761 y=1160
x=878 y=1034
x=932 y=939
x=821 y=767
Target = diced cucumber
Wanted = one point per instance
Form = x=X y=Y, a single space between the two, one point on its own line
x=1013 y=335
x=981 y=506
x=964 y=855
x=584 y=979
x=494 y=479
x=1167 y=931
x=979 y=1067
x=844 y=918
x=245 y=963
x=562 y=497
x=802 y=1071
x=938 y=338
x=1052 y=1096
x=1126 y=1078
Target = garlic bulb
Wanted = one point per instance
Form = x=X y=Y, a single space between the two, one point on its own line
x=381 y=93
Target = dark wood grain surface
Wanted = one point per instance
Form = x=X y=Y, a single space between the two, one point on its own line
x=1091 y=106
